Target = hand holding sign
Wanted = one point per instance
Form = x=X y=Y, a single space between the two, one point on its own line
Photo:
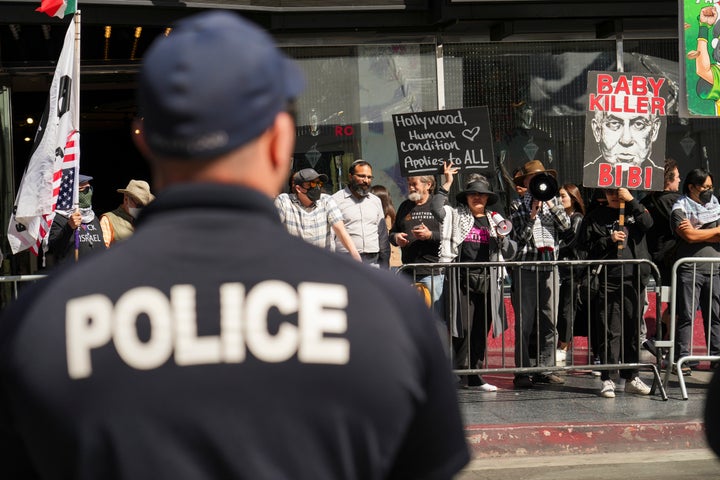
x=619 y=235
x=624 y=195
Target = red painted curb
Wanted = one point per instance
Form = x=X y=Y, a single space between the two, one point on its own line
x=584 y=438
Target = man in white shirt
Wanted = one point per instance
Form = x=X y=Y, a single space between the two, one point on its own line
x=363 y=216
x=312 y=215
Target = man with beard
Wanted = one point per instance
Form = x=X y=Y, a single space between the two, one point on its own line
x=417 y=233
x=312 y=215
x=363 y=215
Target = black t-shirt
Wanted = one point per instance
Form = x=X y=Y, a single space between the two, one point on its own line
x=476 y=246
x=165 y=358
x=408 y=216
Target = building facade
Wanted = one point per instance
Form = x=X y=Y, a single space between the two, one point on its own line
x=365 y=61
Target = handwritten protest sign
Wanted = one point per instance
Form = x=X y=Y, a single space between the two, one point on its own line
x=425 y=140
x=625 y=131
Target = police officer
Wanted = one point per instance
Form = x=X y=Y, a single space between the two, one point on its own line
x=212 y=344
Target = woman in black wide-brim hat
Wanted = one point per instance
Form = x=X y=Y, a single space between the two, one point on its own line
x=471 y=233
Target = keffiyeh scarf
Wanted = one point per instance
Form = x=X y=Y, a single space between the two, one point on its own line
x=698 y=214
x=543 y=227
x=456 y=226
x=87 y=214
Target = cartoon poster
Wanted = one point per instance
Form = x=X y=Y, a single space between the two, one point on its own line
x=625 y=131
x=700 y=32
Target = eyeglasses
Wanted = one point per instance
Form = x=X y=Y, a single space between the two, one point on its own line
x=704 y=187
x=363 y=177
x=312 y=184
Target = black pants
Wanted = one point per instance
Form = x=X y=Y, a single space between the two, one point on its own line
x=619 y=312
x=475 y=312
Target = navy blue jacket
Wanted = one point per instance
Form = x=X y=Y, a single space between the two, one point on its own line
x=166 y=358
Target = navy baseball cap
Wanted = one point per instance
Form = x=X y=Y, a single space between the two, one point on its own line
x=84 y=178
x=213 y=84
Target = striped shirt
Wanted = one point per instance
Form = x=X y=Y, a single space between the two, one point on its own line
x=313 y=224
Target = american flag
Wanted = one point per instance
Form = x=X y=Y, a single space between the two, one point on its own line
x=64 y=177
x=48 y=183
x=63 y=180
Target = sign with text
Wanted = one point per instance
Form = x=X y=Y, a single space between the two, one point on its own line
x=427 y=139
x=625 y=131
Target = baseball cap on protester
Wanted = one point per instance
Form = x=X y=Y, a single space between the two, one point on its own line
x=212 y=85
x=308 y=175
x=84 y=178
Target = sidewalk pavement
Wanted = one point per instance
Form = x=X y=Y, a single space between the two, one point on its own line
x=573 y=419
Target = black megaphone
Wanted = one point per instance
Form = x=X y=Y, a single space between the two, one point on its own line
x=543 y=187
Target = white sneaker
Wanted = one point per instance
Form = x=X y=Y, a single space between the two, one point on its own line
x=608 y=389
x=636 y=386
x=560 y=356
x=486 y=387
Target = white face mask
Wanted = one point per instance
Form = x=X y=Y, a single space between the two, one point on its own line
x=134 y=211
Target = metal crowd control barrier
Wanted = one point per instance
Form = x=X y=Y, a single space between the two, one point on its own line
x=707 y=322
x=451 y=275
x=14 y=280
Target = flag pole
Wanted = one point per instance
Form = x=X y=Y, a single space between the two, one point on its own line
x=621 y=223
x=76 y=121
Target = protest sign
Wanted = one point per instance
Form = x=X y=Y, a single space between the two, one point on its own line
x=427 y=139
x=625 y=131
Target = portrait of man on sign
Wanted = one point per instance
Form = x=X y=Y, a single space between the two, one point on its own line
x=625 y=132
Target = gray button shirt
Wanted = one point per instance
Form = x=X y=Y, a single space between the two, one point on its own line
x=364 y=220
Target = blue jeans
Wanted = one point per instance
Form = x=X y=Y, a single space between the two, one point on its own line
x=697 y=291
x=434 y=283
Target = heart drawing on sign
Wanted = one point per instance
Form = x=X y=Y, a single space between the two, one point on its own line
x=471 y=133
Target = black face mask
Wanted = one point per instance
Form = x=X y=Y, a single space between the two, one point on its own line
x=706 y=196
x=313 y=193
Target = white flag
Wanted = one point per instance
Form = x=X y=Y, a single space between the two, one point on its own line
x=57 y=146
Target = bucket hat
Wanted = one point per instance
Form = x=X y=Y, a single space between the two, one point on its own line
x=139 y=191
x=477 y=187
